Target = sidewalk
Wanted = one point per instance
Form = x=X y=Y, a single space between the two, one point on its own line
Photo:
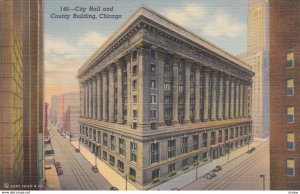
x=189 y=177
x=111 y=176
x=52 y=177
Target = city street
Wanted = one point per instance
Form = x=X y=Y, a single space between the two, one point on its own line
x=240 y=174
x=77 y=173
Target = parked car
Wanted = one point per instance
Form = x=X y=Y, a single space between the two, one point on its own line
x=57 y=165
x=217 y=169
x=49 y=152
x=210 y=175
x=113 y=189
x=59 y=172
x=77 y=150
x=253 y=149
x=95 y=169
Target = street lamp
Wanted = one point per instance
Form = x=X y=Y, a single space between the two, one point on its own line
x=197 y=169
x=263 y=178
x=126 y=181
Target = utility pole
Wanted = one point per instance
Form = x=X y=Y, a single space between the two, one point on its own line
x=263 y=178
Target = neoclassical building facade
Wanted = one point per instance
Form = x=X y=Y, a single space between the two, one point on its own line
x=155 y=99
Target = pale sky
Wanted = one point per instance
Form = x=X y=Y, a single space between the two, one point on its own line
x=69 y=43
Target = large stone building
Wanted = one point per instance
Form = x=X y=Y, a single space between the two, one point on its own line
x=257 y=56
x=156 y=99
x=21 y=94
x=284 y=94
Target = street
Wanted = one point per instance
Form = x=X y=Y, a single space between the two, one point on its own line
x=240 y=174
x=77 y=173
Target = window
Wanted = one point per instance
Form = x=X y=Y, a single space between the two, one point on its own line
x=105 y=139
x=290 y=167
x=133 y=148
x=290 y=59
x=104 y=155
x=195 y=158
x=184 y=145
x=204 y=139
x=153 y=99
x=195 y=142
x=86 y=132
x=154 y=153
x=155 y=174
x=153 y=68
x=134 y=99
x=171 y=148
x=226 y=134
x=220 y=136
x=134 y=55
x=90 y=133
x=152 y=53
x=290 y=141
x=171 y=168
x=167 y=86
x=134 y=84
x=153 y=84
x=153 y=114
x=135 y=115
x=231 y=133
x=122 y=146
x=180 y=88
x=134 y=125
x=132 y=173
x=184 y=163
x=213 y=138
x=112 y=143
x=120 y=166
x=290 y=87
x=236 y=132
x=134 y=69
x=290 y=114
x=99 y=137
x=153 y=126
x=94 y=135
x=111 y=160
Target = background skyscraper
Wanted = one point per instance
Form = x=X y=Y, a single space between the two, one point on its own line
x=257 y=56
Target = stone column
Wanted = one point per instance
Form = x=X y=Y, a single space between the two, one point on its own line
x=221 y=89
x=99 y=97
x=246 y=99
x=237 y=98
x=111 y=94
x=206 y=94
x=197 y=93
x=160 y=85
x=94 y=83
x=81 y=100
x=241 y=99
x=86 y=99
x=187 y=92
x=250 y=100
x=105 y=95
x=120 y=93
x=226 y=111
x=175 y=63
x=90 y=99
x=143 y=87
x=232 y=99
x=213 y=97
x=129 y=95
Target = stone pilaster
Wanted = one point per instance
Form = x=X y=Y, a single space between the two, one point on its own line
x=105 y=96
x=111 y=94
x=187 y=92
x=213 y=96
x=237 y=98
x=175 y=63
x=241 y=99
x=86 y=99
x=160 y=80
x=221 y=89
x=227 y=90
x=143 y=87
x=99 y=97
x=120 y=92
x=129 y=90
x=250 y=100
x=81 y=100
x=232 y=99
x=90 y=102
x=206 y=94
x=94 y=83
x=197 y=93
x=246 y=100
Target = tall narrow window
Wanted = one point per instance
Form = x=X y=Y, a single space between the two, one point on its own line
x=290 y=87
x=133 y=148
x=184 y=145
x=290 y=114
x=112 y=143
x=122 y=146
x=171 y=148
x=290 y=141
x=154 y=153
x=290 y=59
x=105 y=139
x=195 y=142
x=290 y=167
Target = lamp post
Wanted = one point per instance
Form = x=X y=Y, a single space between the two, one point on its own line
x=263 y=178
x=126 y=181
x=197 y=169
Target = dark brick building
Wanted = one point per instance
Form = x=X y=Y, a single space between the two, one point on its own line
x=285 y=94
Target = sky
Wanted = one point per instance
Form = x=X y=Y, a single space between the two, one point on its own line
x=70 y=42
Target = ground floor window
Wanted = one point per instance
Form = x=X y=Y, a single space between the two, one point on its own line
x=132 y=174
x=120 y=166
x=171 y=168
x=104 y=155
x=155 y=174
x=111 y=160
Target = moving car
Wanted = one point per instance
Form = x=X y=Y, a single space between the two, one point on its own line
x=217 y=169
x=49 y=152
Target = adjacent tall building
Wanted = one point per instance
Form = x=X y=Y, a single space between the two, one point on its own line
x=257 y=56
x=156 y=99
x=285 y=94
x=21 y=94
